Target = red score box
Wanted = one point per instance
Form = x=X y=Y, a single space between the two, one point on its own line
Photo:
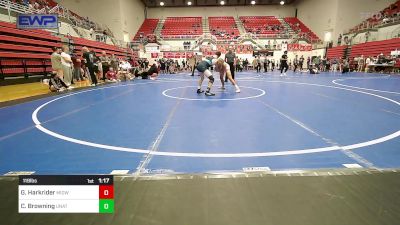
x=106 y=192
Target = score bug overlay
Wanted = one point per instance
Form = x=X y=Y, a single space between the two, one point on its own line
x=66 y=194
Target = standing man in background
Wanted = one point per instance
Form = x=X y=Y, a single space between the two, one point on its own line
x=105 y=62
x=295 y=63
x=89 y=57
x=360 y=63
x=284 y=64
x=66 y=66
x=230 y=59
x=301 y=62
x=114 y=63
x=56 y=62
x=194 y=63
x=266 y=62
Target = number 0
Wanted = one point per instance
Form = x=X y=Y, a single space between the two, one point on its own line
x=105 y=206
x=105 y=192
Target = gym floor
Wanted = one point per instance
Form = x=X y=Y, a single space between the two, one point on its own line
x=297 y=122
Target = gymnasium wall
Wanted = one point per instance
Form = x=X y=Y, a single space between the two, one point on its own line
x=121 y=16
x=337 y=16
x=318 y=15
x=280 y=11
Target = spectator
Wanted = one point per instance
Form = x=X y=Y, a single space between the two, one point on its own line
x=124 y=73
x=335 y=64
x=301 y=62
x=77 y=68
x=114 y=63
x=111 y=75
x=360 y=63
x=339 y=42
x=56 y=62
x=91 y=31
x=105 y=36
x=56 y=84
x=105 y=63
x=66 y=65
x=98 y=68
x=368 y=61
x=346 y=66
x=89 y=56
x=328 y=65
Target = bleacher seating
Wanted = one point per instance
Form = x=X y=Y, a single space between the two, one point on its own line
x=182 y=26
x=98 y=47
x=375 y=48
x=390 y=14
x=148 y=27
x=264 y=25
x=302 y=29
x=27 y=52
x=223 y=27
x=336 y=52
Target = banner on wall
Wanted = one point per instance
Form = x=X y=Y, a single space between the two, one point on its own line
x=154 y=55
x=170 y=55
x=299 y=47
x=189 y=55
x=152 y=48
x=238 y=49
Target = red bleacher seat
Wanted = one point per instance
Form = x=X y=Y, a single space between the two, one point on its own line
x=377 y=18
x=375 y=48
x=28 y=51
x=223 y=27
x=13 y=70
x=177 y=26
x=299 y=27
x=336 y=52
x=261 y=24
x=148 y=27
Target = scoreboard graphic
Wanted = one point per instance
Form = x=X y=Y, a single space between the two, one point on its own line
x=66 y=194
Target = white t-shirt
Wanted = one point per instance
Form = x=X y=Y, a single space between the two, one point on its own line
x=65 y=63
x=125 y=66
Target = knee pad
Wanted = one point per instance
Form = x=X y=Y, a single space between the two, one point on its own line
x=211 y=79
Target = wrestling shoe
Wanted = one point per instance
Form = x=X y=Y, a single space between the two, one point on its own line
x=238 y=90
x=222 y=88
x=199 y=91
x=209 y=94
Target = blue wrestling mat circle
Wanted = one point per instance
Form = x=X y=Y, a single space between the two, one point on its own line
x=188 y=93
x=297 y=123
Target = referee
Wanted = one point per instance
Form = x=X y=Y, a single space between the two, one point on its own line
x=230 y=59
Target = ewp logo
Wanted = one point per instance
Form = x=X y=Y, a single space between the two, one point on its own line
x=37 y=21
